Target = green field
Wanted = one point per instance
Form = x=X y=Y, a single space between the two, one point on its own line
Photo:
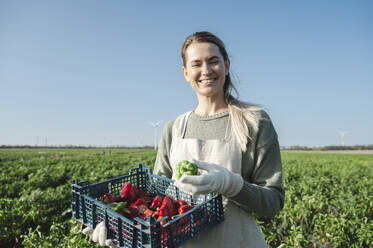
x=329 y=197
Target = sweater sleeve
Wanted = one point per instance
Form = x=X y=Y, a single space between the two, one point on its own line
x=162 y=164
x=264 y=194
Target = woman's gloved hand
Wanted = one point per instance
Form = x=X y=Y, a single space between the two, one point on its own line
x=217 y=179
x=99 y=235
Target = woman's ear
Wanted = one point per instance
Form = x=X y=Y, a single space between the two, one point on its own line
x=185 y=72
x=227 y=66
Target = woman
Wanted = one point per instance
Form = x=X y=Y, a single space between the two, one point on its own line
x=233 y=143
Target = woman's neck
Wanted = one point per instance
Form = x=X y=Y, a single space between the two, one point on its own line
x=209 y=106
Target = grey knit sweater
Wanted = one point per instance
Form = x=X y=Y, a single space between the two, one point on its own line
x=262 y=193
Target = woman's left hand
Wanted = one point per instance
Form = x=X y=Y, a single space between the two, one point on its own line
x=99 y=234
x=217 y=179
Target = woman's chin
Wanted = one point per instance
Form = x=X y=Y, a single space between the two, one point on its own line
x=208 y=92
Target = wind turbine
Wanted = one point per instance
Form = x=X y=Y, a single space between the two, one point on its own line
x=155 y=125
x=343 y=133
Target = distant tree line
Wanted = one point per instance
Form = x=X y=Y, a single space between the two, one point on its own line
x=73 y=147
x=328 y=148
x=355 y=147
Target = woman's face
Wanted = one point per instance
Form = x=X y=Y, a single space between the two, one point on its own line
x=205 y=69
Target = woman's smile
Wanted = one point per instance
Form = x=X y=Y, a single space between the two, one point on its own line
x=207 y=82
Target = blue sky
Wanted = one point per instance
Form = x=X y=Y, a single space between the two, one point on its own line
x=96 y=72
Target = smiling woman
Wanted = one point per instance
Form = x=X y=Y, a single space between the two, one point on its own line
x=233 y=144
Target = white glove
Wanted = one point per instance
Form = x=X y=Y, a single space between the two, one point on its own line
x=217 y=179
x=99 y=235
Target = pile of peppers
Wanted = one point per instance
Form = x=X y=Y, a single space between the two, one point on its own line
x=133 y=203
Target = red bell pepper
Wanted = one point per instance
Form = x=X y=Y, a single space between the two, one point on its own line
x=129 y=192
x=169 y=204
x=142 y=210
x=167 y=208
x=157 y=202
x=160 y=214
x=134 y=212
x=185 y=208
x=125 y=191
x=108 y=198
x=180 y=203
x=137 y=209
x=148 y=213
x=139 y=201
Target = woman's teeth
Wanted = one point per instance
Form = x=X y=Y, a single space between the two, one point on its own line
x=207 y=81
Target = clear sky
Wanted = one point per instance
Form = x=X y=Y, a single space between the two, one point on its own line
x=96 y=72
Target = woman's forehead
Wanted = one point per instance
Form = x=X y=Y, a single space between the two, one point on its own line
x=202 y=50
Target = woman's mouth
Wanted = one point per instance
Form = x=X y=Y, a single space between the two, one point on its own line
x=207 y=81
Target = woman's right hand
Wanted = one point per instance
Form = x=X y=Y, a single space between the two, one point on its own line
x=99 y=235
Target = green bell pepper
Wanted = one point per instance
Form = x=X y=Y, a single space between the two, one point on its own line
x=186 y=168
x=119 y=207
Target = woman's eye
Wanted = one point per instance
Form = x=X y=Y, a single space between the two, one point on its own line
x=195 y=65
x=214 y=62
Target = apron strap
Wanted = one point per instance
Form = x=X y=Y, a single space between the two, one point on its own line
x=179 y=127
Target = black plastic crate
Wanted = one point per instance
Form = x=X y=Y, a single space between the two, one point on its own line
x=89 y=210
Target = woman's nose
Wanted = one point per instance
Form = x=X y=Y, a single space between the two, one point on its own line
x=206 y=69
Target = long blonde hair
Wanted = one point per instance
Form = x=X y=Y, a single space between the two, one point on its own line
x=245 y=121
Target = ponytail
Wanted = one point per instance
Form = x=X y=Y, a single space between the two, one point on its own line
x=245 y=122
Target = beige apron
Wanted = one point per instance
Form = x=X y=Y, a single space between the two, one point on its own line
x=239 y=228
